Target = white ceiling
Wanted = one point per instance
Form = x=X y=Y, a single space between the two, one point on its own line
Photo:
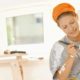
x=9 y=4
x=13 y=3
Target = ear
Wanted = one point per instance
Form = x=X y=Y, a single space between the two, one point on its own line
x=76 y=17
x=58 y=23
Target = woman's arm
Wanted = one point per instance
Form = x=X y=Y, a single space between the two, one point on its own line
x=64 y=71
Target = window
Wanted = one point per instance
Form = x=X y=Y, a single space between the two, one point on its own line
x=25 y=29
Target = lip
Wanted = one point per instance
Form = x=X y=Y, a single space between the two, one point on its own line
x=73 y=32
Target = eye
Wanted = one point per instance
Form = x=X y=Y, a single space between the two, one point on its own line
x=64 y=27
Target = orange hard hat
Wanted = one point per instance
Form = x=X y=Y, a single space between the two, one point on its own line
x=60 y=9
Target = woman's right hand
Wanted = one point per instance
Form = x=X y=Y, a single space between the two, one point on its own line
x=71 y=50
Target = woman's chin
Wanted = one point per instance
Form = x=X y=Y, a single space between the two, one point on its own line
x=74 y=35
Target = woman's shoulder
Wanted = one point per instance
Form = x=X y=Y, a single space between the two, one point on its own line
x=57 y=45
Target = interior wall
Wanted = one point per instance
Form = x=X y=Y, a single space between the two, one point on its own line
x=52 y=33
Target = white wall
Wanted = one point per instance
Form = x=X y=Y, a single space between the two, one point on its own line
x=51 y=32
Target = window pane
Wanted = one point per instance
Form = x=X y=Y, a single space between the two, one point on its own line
x=25 y=29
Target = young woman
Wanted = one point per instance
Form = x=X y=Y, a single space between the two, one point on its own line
x=65 y=53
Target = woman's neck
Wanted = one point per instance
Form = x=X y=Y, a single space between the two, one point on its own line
x=75 y=39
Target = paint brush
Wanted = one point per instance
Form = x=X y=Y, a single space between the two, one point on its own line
x=67 y=43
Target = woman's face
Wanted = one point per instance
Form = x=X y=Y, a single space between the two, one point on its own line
x=69 y=25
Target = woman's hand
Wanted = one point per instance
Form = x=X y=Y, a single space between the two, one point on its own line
x=71 y=50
